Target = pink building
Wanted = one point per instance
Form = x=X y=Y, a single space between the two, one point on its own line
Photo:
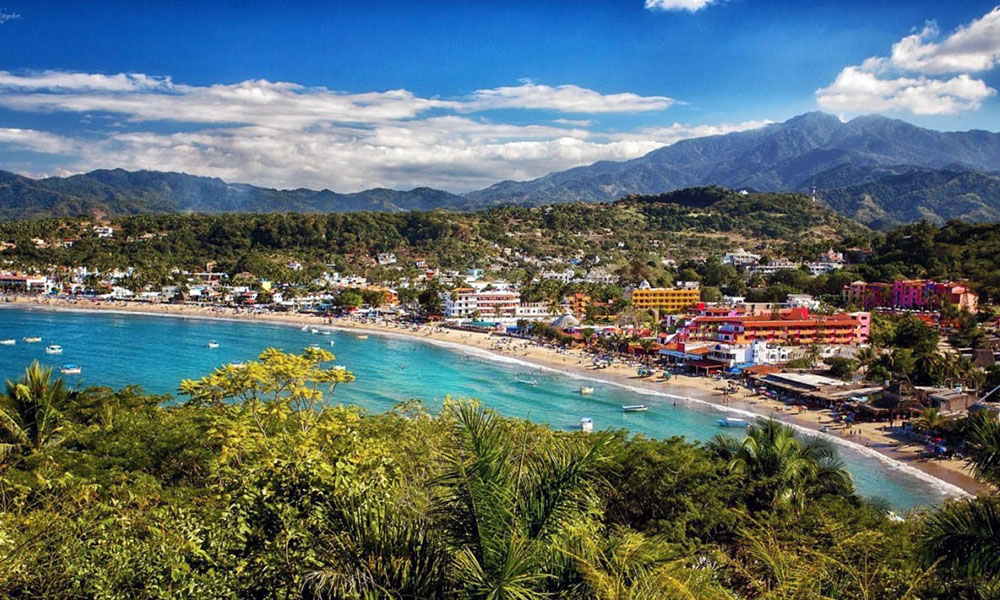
x=911 y=294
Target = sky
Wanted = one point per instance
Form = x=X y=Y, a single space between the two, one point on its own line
x=459 y=95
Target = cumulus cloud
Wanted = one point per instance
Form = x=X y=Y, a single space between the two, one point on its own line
x=689 y=5
x=922 y=76
x=287 y=135
x=664 y=136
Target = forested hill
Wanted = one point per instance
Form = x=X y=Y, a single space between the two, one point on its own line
x=118 y=192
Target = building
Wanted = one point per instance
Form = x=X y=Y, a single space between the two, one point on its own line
x=740 y=258
x=103 y=231
x=534 y=311
x=560 y=276
x=467 y=303
x=665 y=299
x=577 y=304
x=911 y=294
x=25 y=284
x=793 y=326
x=780 y=264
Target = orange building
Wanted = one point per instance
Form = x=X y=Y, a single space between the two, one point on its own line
x=665 y=299
x=791 y=326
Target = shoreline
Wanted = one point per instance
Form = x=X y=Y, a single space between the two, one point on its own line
x=950 y=476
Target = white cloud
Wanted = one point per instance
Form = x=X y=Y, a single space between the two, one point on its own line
x=914 y=77
x=664 y=136
x=287 y=135
x=563 y=98
x=689 y=5
x=971 y=48
x=857 y=89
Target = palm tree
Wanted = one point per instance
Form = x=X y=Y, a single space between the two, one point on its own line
x=965 y=534
x=931 y=419
x=503 y=505
x=866 y=357
x=31 y=409
x=787 y=469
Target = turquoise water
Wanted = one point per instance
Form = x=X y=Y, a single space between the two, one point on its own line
x=158 y=352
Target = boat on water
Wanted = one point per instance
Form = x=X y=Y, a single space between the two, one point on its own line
x=325 y=332
x=634 y=407
x=53 y=349
x=213 y=344
x=362 y=337
x=31 y=340
x=9 y=342
x=71 y=369
x=586 y=389
x=314 y=330
x=587 y=424
x=528 y=381
x=733 y=422
x=305 y=328
x=331 y=342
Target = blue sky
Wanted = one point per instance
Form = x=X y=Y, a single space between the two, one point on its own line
x=460 y=95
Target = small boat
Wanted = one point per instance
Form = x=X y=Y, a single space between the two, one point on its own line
x=634 y=407
x=53 y=349
x=331 y=342
x=9 y=342
x=587 y=424
x=733 y=422
x=586 y=389
x=314 y=330
x=305 y=328
x=213 y=344
x=528 y=381
x=339 y=368
x=70 y=369
x=237 y=365
x=31 y=340
x=362 y=337
x=325 y=332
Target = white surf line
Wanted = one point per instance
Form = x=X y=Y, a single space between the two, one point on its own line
x=944 y=488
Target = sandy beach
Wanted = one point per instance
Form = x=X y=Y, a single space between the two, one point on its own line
x=870 y=437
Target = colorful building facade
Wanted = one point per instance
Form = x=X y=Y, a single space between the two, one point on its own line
x=911 y=294
x=665 y=299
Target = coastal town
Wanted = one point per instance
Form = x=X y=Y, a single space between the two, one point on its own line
x=895 y=365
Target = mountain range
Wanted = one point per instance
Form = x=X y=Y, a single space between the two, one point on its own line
x=877 y=170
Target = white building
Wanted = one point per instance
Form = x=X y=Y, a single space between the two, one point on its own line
x=487 y=305
x=560 y=276
x=740 y=258
x=774 y=266
x=534 y=311
x=820 y=267
x=103 y=231
x=801 y=301
x=386 y=258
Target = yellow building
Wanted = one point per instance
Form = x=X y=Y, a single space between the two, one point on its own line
x=666 y=299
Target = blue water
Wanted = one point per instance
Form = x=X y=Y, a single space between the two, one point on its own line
x=158 y=352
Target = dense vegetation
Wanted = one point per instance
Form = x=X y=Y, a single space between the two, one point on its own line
x=450 y=239
x=258 y=487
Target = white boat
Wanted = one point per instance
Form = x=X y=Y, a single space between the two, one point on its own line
x=238 y=365
x=53 y=349
x=528 y=381
x=586 y=389
x=70 y=369
x=331 y=342
x=314 y=330
x=339 y=368
x=634 y=407
x=733 y=422
x=213 y=344
x=362 y=337
x=31 y=340
x=587 y=424
x=305 y=328
x=9 y=342
x=324 y=332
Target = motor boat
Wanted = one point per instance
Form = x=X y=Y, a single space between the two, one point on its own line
x=362 y=337
x=586 y=389
x=213 y=344
x=733 y=422
x=70 y=369
x=634 y=407
x=587 y=424
x=8 y=342
x=53 y=349
x=31 y=340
